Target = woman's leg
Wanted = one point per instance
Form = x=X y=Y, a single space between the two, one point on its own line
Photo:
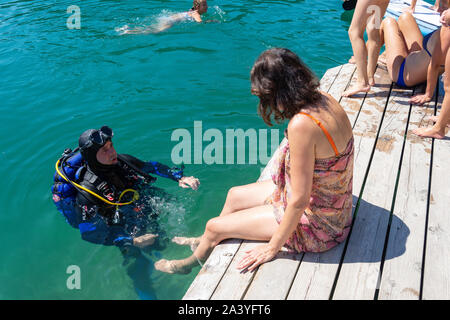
x=411 y=32
x=374 y=42
x=443 y=120
x=256 y=223
x=247 y=196
x=356 y=35
x=396 y=50
x=238 y=198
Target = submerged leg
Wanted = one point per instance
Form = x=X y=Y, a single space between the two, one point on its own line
x=251 y=224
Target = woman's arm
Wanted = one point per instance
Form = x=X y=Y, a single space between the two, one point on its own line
x=196 y=16
x=301 y=132
x=302 y=156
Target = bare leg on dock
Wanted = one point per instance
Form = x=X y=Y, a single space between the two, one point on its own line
x=244 y=216
x=368 y=13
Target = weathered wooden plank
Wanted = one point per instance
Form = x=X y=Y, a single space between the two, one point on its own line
x=315 y=277
x=235 y=282
x=212 y=271
x=273 y=279
x=329 y=78
x=402 y=267
x=342 y=81
x=352 y=105
x=359 y=274
x=317 y=272
x=436 y=278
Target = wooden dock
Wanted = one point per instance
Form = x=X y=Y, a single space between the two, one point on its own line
x=399 y=243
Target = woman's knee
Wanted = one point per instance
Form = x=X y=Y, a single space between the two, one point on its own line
x=213 y=231
x=355 y=34
x=234 y=196
x=389 y=21
x=405 y=18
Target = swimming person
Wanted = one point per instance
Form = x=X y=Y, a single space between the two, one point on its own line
x=199 y=7
x=95 y=189
x=408 y=53
x=367 y=16
x=307 y=206
x=442 y=121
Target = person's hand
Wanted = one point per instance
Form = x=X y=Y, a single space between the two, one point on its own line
x=257 y=256
x=144 y=240
x=445 y=18
x=189 y=182
x=420 y=99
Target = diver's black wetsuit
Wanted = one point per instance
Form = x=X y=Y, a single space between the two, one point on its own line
x=102 y=223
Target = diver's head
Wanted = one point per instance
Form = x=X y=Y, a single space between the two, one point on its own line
x=201 y=6
x=97 y=149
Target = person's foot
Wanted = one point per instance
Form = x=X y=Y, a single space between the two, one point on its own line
x=172 y=266
x=352 y=60
x=428 y=133
x=122 y=30
x=435 y=119
x=356 y=89
x=145 y=240
x=371 y=81
x=185 y=241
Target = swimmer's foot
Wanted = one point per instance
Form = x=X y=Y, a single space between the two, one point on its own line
x=356 y=89
x=435 y=119
x=173 y=266
x=428 y=133
x=122 y=30
x=185 y=241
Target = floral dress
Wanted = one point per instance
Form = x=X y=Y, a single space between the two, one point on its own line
x=327 y=220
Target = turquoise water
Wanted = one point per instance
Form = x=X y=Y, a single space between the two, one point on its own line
x=58 y=82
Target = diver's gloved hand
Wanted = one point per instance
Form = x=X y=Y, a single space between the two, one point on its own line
x=186 y=182
x=144 y=240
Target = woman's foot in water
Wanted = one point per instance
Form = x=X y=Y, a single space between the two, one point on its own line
x=185 y=241
x=173 y=266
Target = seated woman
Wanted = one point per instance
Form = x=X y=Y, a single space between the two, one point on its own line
x=442 y=55
x=199 y=7
x=307 y=206
x=408 y=53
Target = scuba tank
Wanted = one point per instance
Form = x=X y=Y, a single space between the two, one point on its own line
x=64 y=193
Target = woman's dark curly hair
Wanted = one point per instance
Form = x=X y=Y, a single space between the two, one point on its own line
x=281 y=79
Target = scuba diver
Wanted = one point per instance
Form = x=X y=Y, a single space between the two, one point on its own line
x=96 y=190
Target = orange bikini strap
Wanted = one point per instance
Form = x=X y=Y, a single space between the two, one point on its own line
x=324 y=131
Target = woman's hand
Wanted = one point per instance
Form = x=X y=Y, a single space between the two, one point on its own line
x=420 y=99
x=189 y=182
x=257 y=256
